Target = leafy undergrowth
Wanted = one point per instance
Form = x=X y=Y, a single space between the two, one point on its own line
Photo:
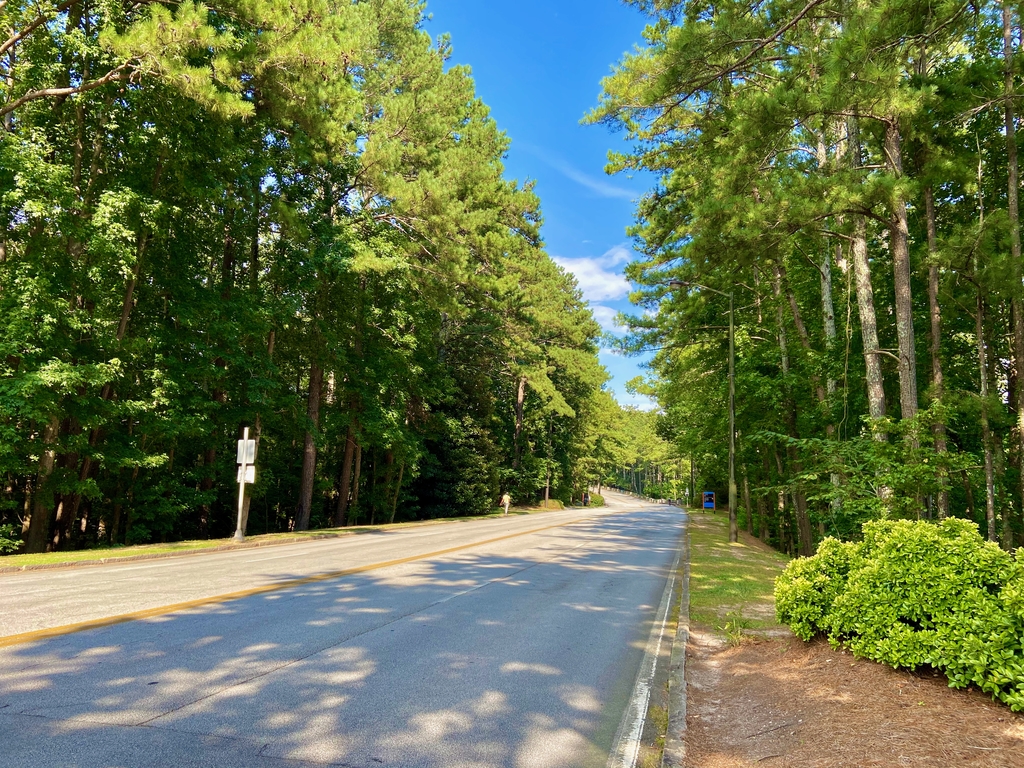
x=179 y=547
x=731 y=585
x=917 y=595
x=777 y=701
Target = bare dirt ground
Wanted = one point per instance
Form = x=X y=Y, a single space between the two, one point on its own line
x=782 y=702
x=759 y=697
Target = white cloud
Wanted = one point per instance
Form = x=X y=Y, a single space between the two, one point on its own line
x=597 y=276
x=596 y=282
x=605 y=317
x=617 y=254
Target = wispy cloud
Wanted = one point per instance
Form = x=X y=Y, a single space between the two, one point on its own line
x=614 y=257
x=596 y=184
x=598 y=276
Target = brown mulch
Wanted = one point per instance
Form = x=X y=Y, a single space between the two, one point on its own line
x=782 y=702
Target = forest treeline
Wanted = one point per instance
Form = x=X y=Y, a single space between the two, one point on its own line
x=289 y=217
x=848 y=169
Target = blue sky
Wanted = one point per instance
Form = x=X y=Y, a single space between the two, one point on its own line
x=538 y=66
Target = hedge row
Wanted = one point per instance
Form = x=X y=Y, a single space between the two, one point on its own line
x=915 y=594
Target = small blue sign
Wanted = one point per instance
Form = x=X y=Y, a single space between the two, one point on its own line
x=709 y=499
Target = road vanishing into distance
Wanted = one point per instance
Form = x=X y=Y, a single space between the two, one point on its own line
x=517 y=642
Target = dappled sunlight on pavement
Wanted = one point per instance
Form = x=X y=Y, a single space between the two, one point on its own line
x=514 y=656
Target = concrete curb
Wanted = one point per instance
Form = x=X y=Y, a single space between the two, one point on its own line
x=674 y=755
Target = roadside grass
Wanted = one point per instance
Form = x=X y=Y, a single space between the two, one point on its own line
x=652 y=755
x=120 y=551
x=731 y=585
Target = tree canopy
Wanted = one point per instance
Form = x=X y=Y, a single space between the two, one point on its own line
x=848 y=169
x=287 y=217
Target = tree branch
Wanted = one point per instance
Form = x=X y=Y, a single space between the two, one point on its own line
x=757 y=49
x=112 y=76
x=17 y=37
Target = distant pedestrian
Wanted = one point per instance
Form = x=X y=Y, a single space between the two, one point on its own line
x=586 y=498
x=505 y=501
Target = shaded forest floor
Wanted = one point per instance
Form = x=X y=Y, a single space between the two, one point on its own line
x=757 y=696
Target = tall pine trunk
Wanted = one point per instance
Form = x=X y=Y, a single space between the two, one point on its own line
x=935 y=347
x=354 y=505
x=986 y=432
x=316 y=376
x=865 y=295
x=517 y=439
x=39 y=523
x=398 y=490
x=868 y=322
x=345 y=481
x=899 y=243
x=1017 y=301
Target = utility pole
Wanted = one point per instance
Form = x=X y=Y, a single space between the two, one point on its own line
x=675 y=284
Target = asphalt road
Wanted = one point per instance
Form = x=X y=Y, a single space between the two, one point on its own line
x=522 y=649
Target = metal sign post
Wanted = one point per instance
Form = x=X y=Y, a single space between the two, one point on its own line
x=246 y=474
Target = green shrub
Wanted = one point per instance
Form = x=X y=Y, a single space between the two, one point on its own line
x=806 y=590
x=9 y=539
x=913 y=594
x=596 y=500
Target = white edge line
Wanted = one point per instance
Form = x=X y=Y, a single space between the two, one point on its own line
x=626 y=747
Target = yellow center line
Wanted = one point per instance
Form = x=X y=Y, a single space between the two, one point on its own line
x=83 y=626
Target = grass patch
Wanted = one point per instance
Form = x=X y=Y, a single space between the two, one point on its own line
x=121 y=551
x=99 y=553
x=731 y=585
x=650 y=755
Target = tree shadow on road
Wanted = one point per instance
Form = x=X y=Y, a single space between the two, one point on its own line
x=468 y=660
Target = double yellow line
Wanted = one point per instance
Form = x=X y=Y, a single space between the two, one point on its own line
x=108 y=621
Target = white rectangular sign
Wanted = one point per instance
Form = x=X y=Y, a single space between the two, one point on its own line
x=246 y=452
x=250 y=474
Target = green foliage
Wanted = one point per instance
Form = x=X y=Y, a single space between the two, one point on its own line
x=912 y=594
x=10 y=539
x=458 y=477
x=596 y=500
x=638 y=458
x=287 y=217
x=808 y=588
x=847 y=183
x=864 y=478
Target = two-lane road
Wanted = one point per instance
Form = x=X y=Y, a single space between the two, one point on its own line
x=519 y=645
